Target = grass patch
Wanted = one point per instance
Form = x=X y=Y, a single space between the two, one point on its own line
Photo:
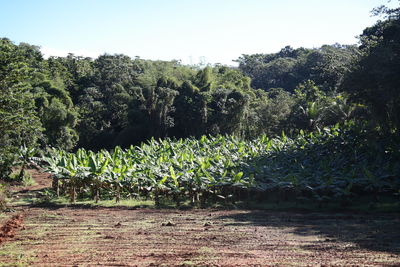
x=24 y=200
x=26 y=180
x=16 y=255
x=363 y=204
x=65 y=201
x=206 y=253
x=188 y=263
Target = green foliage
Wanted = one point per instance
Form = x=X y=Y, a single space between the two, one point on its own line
x=272 y=112
x=326 y=66
x=332 y=164
x=115 y=100
x=315 y=109
x=165 y=168
x=25 y=155
x=129 y=101
x=18 y=121
x=28 y=82
x=375 y=77
x=57 y=114
x=25 y=180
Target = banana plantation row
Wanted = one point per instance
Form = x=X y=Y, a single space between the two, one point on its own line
x=327 y=165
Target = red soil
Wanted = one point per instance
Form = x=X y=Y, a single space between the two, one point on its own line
x=8 y=230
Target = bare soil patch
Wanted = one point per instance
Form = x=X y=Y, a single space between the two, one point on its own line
x=9 y=228
x=123 y=237
x=42 y=179
x=79 y=236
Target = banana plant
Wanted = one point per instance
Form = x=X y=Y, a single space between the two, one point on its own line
x=119 y=176
x=97 y=166
x=25 y=155
x=328 y=161
x=74 y=174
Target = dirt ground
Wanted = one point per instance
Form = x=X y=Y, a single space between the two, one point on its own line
x=81 y=236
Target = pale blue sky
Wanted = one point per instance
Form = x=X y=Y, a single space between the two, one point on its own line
x=219 y=30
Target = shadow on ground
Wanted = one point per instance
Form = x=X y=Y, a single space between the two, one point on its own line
x=379 y=232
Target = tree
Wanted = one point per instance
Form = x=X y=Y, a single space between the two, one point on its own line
x=57 y=113
x=19 y=124
x=375 y=77
x=274 y=115
x=326 y=66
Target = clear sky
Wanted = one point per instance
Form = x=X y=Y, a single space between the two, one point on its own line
x=218 y=30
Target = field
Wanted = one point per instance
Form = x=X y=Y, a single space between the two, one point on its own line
x=322 y=167
x=83 y=235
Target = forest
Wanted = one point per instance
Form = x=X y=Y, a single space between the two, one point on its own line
x=321 y=122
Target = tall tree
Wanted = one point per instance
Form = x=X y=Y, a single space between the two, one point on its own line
x=375 y=78
x=19 y=124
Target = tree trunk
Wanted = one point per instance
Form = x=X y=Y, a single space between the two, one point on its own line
x=97 y=194
x=157 y=199
x=56 y=186
x=118 y=195
x=73 y=194
x=21 y=174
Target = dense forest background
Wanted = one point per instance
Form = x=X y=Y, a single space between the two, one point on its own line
x=114 y=100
